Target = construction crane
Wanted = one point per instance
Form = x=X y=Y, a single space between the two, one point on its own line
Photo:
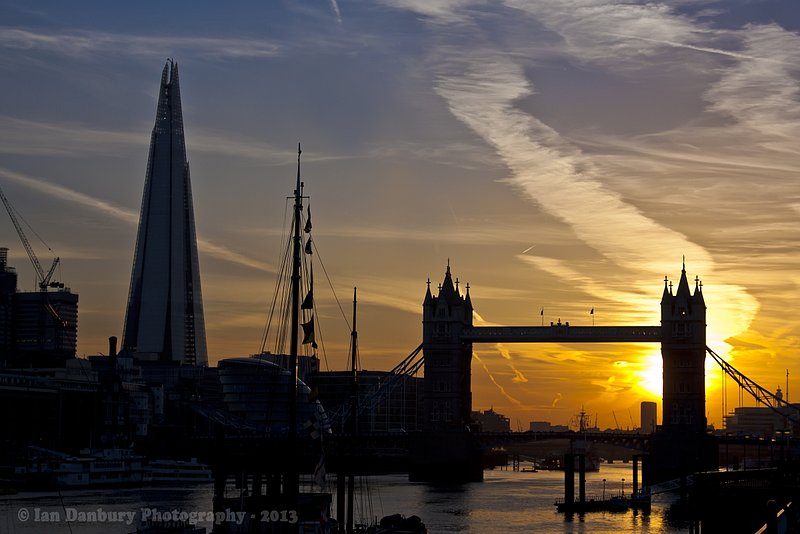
x=615 y=420
x=44 y=278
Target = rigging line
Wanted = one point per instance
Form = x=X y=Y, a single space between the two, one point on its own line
x=31 y=229
x=279 y=284
x=330 y=284
x=282 y=262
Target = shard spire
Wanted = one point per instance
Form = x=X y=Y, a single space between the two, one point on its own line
x=164 y=320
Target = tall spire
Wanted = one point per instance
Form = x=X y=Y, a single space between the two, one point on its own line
x=164 y=319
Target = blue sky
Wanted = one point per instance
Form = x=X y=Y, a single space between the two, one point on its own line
x=563 y=154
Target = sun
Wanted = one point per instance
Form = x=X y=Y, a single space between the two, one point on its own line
x=649 y=376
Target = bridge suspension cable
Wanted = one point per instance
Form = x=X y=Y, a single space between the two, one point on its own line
x=760 y=394
x=408 y=367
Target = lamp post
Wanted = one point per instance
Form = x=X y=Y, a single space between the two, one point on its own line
x=604 y=489
x=622 y=487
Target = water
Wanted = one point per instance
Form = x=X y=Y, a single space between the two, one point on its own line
x=507 y=502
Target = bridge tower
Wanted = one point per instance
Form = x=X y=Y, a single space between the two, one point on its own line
x=446 y=450
x=447 y=386
x=683 y=351
x=681 y=445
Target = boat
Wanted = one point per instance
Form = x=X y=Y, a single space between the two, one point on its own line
x=164 y=471
x=47 y=469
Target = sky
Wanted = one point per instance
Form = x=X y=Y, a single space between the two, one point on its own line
x=562 y=155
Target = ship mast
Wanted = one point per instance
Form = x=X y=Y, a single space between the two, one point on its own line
x=292 y=479
x=353 y=419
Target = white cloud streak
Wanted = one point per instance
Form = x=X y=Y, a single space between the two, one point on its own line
x=125 y=215
x=336 y=11
x=554 y=174
x=81 y=43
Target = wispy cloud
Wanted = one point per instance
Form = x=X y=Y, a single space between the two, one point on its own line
x=81 y=43
x=28 y=137
x=554 y=174
x=436 y=11
x=126 y=215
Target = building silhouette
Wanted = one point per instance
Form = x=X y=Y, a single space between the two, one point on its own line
x=447 y=396
x=683 y=350
x=37 y=328
x=8 y=287
x=164 y=320
x=648 y=416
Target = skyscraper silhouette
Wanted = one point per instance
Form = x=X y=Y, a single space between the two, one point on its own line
x=164 y=320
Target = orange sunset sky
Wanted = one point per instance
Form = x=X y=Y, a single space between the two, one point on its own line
x=563 y=155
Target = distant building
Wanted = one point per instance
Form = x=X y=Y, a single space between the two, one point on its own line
x=8 y=287
x=45 y=327
x=545 y=426
x=760 y=420
x=255 y=391
x=306 y=365
x=38 y=328
x=649 y=417
x=491 y=421
x=164 y=320
x=56 y=408
x=387 y=402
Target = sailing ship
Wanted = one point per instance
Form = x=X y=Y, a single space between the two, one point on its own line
x=313 y=508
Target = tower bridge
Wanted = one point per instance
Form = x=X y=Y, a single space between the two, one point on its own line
x=446 y=452
x=562 y=333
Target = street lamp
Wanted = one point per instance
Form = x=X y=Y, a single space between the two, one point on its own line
x=604 y=489
x=622 y=487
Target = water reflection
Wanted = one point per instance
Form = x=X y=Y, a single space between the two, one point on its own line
x=506 y=502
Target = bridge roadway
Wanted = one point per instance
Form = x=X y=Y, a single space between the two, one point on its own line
x=562 y=333
x=375 y=450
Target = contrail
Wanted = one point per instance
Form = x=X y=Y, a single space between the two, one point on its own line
x=125 y=215
x=717 y=51
x=335 y=7
x=501 y=388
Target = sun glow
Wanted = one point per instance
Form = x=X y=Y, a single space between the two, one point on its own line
x=649 y=377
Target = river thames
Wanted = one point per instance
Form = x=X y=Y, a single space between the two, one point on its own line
x=506 y=502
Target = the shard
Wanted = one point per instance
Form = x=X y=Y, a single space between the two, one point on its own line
x=164 y=320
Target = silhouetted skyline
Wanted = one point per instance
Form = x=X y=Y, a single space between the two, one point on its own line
x=564 y=156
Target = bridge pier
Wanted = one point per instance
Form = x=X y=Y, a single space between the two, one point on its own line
x=569 y=481
x=445 y=457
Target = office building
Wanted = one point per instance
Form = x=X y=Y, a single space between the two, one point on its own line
x=164 y=320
